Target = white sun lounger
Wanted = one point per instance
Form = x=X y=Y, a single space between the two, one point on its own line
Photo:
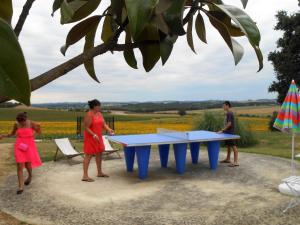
x=291 y=186
x=64 y=145
x=108 y=148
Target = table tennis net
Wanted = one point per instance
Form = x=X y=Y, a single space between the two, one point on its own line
x=173 y=133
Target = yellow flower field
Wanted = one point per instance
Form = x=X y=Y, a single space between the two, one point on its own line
x=256 y=124
x=48 y=128
x=140 y=127
x=134 y=127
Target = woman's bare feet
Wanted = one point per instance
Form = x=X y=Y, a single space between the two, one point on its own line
x=20 y=191
x=225 y=161
x=233 y=165
x=102 y=175
x=87 y=179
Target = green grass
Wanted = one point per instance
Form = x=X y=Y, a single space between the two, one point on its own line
x=274 y=144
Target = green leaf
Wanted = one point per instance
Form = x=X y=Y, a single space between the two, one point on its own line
x=159 y=22
x=56 y=5
x=150 y=53
x=174 y=17
x=139 y=14
x=77 y=10
x=68 y=9
x=129 y=54
x=235 y=47
x=233 y=29
x=247 y=25
x=244 y=2
x=89 y=44
x=80 y=30
x=107 y=30
x=6 y=10
x=200 y=28
x=162 y=6
x=166 y=47
x=189 y=34
x=259 y=57
x=116 y=9
x=14 y=79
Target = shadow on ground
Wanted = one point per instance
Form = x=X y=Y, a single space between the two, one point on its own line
x=236 y=196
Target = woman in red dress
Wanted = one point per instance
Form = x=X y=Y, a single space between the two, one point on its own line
x=93 y=143
x=26 y=153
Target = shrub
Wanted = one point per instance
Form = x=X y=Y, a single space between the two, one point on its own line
x=212 y=121
x=272 y=120
x=181 y=112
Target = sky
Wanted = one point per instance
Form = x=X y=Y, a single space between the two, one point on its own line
x=210 y=74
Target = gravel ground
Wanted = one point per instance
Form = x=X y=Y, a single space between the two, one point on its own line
x=236 y=196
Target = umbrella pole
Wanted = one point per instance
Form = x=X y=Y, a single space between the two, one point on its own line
x=293 y=149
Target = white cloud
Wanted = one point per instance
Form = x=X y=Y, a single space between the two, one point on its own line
x=210 y=74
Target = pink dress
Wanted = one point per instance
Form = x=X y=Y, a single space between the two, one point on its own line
x=25 y=148
x=90 y=145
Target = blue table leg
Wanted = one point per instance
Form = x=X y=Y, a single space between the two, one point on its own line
x=143 y=154
x=164 y=155
x=180 y=156
x=213 y=154
x=195 y=147
x=129 y=158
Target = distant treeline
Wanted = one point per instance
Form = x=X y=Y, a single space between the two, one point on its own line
x=149 y=107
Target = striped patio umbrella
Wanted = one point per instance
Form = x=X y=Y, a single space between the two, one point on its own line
x=288 y=119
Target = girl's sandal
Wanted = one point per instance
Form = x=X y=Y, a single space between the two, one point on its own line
x=27 y=182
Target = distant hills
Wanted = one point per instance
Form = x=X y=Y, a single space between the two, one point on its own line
x=154 y=106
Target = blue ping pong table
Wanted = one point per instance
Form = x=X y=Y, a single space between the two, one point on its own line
x=140 y=145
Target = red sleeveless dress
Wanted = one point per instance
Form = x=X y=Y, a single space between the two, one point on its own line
x=25 y=147
x=90 y=145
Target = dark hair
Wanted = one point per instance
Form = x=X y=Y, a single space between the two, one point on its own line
x=94 y=103
x=227 y=103
x=21 y=117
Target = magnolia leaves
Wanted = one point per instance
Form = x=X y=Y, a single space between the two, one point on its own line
x=139 y=13
x=200 y=28
x=86 y=28
x=244 y=2
x=154 y=25
x=247 y=26
x=6 y=10
x=75 y=10
x=234 y=46
x=14 y=79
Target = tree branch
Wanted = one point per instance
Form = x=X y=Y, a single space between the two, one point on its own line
x=23 y=16
x=78 y=60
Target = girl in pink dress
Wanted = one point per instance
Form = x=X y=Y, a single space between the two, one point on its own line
x=26 y=154
x=93 y=143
